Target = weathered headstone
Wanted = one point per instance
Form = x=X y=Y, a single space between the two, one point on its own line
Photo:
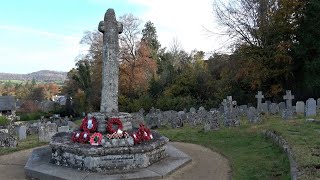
x=318 y=103
x=273 y=108
x=311 y=107
x=253 y=115
x=264 y=108
x=259 y=97
x=111 y=29
x=22 y=132
x=288 y=112
x=243 y=110
x=231 y=115
x=300 y=107
x=47 y=131
x=7 y=140
x=224 y=103
x=282 y=106
x=288 y=97
x=192 y=110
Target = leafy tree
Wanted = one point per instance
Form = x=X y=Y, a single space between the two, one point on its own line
x=307 y=52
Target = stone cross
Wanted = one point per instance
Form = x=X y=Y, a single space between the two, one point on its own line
x=224 y=103
x=288 y=97
x=111 y=29
x=259 y=97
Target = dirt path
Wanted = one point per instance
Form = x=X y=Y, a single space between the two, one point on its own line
x=205 y=164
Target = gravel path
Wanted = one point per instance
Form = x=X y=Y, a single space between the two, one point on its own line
x=205 y=164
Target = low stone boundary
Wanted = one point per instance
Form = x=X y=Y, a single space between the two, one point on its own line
x=294 y=172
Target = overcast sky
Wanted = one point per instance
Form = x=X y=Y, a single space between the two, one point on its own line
x=45 y=34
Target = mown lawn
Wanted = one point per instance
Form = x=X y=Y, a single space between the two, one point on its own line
x=251 y=155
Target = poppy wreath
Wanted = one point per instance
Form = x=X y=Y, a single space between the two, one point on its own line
x=95 y=139
x=118 y=134
x=143 y=134
x=90 y=125
x=114 y=121
x=76 y=135
x=84 y=137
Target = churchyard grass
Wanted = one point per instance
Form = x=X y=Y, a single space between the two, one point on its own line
x=251 y=155
x=30 y=142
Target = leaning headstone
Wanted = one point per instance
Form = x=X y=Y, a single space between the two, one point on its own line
x=22 y=132
x=273 y=108
x=46 y=131
x=253 y=115
x=110 y=28
x=300 y=107
x=311 y=107
x=259 y=97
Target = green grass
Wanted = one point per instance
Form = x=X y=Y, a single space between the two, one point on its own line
x=30 y=142
x=251 y=155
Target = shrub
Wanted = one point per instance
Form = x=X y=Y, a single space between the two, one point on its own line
x=4 y=121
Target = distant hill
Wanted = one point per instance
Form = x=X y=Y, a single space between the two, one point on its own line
x=43 y=76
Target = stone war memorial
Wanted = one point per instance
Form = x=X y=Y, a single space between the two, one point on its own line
x=106 y=146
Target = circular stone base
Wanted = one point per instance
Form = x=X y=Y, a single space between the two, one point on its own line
x=38 y=167
x=108 y=160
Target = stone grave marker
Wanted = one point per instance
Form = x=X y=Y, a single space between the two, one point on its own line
x=288 y=112
x=264 y=108
x=282 y=106
x=311 y=107
x=273 y=108
x=300 y=107
x=46 y=131
x=253 y=115
x=22 y=132
x=193 y=110
x=7 y=140
x=318 y=103
x=259 y=97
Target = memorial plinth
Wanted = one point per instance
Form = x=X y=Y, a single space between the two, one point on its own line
x=107 y=160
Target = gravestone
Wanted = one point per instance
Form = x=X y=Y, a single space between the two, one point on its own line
x=224 y=104
x=311 y=107
x=193 y=110
x=282 y=106
x=288 y=97
x=110 y=28
x=253 y=115
x=46 y=132
x=300 y=107
x=259 y=97
x=231 y=115
x=288 y=112
x=269 y=103
x=264 y=108
x=273 y=108
x=22 y=132
x=243 y=110
x=7 y=140
x=318 y=103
